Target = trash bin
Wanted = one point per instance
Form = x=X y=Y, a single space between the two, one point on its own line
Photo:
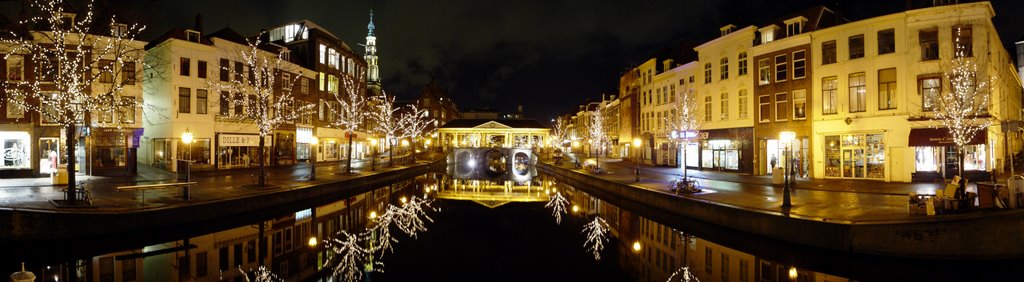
x=986 y=194
x=778 y=175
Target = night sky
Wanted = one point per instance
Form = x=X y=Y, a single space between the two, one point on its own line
x=547 y=55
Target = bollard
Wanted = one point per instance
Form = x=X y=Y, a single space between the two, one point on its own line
x=23 y=276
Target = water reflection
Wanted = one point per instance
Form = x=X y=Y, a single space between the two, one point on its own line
x=652 y=251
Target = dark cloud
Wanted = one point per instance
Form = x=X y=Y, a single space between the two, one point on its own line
x=548 y=55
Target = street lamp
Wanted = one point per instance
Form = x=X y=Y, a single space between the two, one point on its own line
x=787 y=137
x=313 y=142
x=187 y=138
x=637 y=143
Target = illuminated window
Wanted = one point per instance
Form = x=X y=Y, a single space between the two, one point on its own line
x=15 y=67
x=743 y=104
x=724 y=66
x=887 y=89
x=742 y=61
x=858 y=94
x=929 y=88
x=799 y=104
x=725 y=105
x=764 y=71
x=828 y=95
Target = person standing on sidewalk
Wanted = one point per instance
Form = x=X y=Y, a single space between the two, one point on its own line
x=773 y=162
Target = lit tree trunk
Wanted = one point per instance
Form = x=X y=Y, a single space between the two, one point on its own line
x=391 y=154
x=262 y=176
x=348 y=167
x=684 y=161
x=69 y=131
x=961 y=187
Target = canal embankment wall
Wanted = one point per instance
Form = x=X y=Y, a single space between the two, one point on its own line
x=979 y=235
x=59 y=223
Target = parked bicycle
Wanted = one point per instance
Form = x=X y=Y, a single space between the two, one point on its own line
x=684 y=185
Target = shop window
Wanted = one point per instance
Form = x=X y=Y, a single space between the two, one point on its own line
x=887 y=89
x=929 y=41
x=974 y=157
x=16 y=149
x=198 y=152
x=858 y=94
x=799 y=104
x=929 y=88
x=886 y=41
x=855 y=156
x=828 y=52
x=928 y=159
x=963 y=43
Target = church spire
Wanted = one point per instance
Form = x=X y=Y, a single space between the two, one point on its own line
x=372 y=71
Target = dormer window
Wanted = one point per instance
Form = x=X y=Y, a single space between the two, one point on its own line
x=727 y=29
x=192 y=35
x=67 y=20
x=768 y=33
x=795 y=25
x=118 y=30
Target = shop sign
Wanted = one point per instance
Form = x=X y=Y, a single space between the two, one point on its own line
x=240 y=140
x=937 y=137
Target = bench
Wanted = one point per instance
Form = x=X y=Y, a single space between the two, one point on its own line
x=185 y=186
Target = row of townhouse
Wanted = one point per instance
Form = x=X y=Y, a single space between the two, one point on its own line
x=858 y=94
x=171 y=81
x=186 y=64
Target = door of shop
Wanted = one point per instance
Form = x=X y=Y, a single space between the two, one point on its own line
x=853 y=162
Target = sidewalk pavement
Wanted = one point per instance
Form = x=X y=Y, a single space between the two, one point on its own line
x=36 y=193
x=827 y=200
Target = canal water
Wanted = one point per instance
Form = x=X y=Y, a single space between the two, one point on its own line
x=476 y=227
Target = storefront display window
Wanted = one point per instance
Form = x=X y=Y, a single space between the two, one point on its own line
x=198 y=152
x=927 y=158
x=974 y=157
x=16 y=150
x=49 y=152
x=721 y=154
x=855 y=156
x=331 y=149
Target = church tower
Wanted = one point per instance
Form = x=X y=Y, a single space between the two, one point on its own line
x=372 y=72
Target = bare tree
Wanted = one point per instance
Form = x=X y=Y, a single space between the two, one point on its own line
x=350 y=107
x=77 y=71
x=266 y=105
x=414 y=123
x=962 y=106
x=685 y=120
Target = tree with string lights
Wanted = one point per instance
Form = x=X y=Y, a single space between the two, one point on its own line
x=350 y=107
x=598 y=135
x=384 y=116
x=78 y=71
x=685 y=121
x=268 y=103
x=962 y=106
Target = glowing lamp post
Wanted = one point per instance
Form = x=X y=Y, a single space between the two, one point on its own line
x=313 y=142
x=787 y=138
x=637 y=143
x=187 y=138
x=575 y=150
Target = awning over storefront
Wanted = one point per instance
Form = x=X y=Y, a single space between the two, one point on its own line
x=934 y=137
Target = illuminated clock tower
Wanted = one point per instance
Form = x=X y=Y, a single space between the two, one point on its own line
x=372 y=72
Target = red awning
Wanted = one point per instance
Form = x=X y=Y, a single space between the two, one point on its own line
x=936 y=137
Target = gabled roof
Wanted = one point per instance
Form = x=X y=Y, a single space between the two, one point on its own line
x=494 y=123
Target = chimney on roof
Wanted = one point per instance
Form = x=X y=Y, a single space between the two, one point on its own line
x=199 y=23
